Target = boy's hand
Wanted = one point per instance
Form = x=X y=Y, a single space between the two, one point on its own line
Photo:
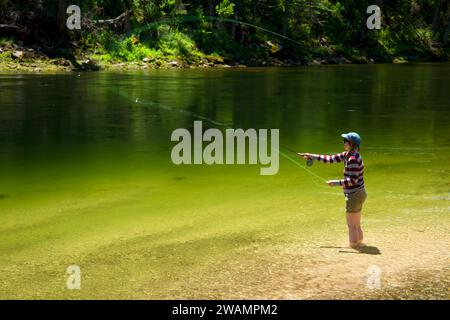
x=333 y=183
x=306 y=156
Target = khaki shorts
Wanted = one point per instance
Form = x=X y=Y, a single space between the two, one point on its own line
x=354 y=201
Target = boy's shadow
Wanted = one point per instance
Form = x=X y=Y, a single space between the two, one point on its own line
x=2 y=196
x=365 y=250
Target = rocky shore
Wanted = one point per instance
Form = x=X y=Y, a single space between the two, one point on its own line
x=18 y=58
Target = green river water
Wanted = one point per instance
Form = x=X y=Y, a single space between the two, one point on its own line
x=87 y=178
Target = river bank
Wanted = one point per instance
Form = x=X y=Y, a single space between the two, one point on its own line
x=223 y=34
x=17 y=58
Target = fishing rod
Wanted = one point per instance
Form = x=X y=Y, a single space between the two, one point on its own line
x=186 y=19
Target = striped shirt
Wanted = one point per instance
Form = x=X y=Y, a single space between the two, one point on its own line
x=353 y=169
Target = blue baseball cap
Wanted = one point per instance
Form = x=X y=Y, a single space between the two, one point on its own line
x=353 y=137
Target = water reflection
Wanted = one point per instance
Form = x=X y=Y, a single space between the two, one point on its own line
x=401 y=106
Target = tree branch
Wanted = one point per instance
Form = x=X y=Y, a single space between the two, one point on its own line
x=112 y=21
x=10 y=26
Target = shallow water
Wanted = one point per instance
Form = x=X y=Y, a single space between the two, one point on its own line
x=85 y=158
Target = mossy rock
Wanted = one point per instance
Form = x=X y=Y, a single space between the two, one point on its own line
x=400 y=60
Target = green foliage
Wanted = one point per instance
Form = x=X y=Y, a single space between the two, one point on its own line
x=225 y=9
x=145 y=11
x=387 y=40
x=332 y=22
x=169 y=43
x=319 y=28
x=109 y=47
x=174 y=43
x=5 y=41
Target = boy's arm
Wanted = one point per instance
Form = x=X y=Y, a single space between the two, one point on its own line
x=335 y=158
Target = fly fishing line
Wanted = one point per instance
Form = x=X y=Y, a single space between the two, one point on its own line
x=313 y=175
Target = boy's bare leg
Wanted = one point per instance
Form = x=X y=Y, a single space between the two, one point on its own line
x=358 y=224
x=353 y=232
